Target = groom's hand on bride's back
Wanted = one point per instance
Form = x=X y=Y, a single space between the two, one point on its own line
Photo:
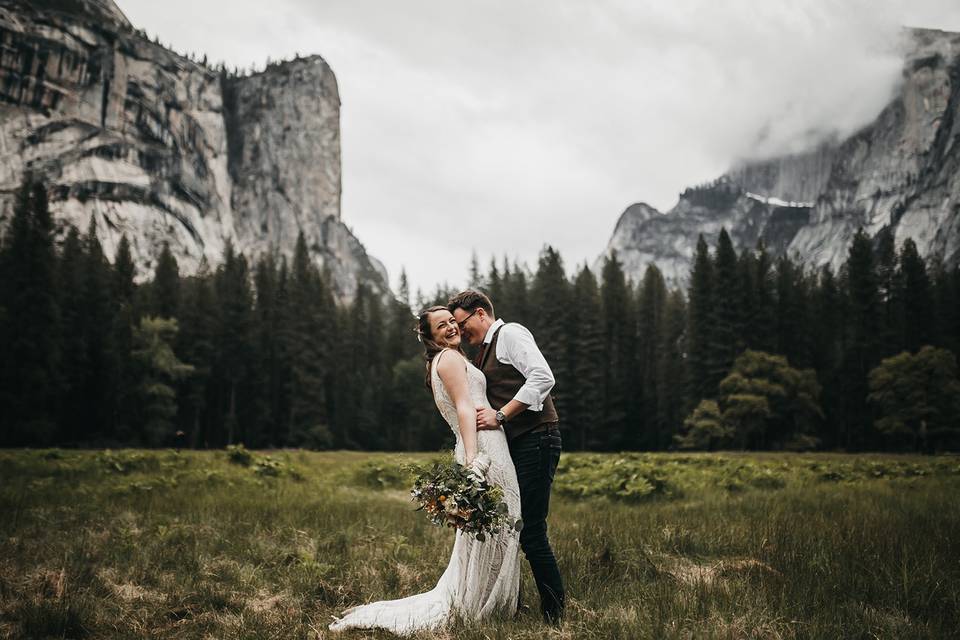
x=487 y=418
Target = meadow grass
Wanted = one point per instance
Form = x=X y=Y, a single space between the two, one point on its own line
x=216 y=544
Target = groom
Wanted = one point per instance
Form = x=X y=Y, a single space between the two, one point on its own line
x=518 y=388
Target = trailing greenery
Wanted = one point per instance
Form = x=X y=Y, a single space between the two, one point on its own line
x=758 y=352
x=200 y=544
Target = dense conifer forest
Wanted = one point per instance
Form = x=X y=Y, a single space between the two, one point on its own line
x=759 y=352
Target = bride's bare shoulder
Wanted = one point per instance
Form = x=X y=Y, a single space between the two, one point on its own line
x=449 y=363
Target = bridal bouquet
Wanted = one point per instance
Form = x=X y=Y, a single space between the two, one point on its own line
x=460 y=497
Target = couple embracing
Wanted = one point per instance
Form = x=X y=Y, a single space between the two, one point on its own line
x=506 y=427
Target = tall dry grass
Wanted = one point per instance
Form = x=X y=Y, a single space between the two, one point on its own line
x=159 y=544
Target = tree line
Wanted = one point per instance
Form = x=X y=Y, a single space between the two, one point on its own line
x=256 y=354
x=759 y=352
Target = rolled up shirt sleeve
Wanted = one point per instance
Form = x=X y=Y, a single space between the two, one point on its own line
x=517 y=347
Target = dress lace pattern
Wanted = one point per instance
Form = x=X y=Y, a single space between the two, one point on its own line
x=482 y=578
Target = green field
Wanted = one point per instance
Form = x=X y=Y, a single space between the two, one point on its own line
x=160 y=544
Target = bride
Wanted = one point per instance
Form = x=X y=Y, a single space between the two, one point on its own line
x=482 y=578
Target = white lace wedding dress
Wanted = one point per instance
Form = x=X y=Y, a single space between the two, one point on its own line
x=482 y=578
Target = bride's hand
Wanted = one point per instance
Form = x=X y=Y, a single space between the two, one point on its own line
x=479 y=465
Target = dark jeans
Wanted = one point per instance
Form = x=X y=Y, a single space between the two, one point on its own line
x=535 y=455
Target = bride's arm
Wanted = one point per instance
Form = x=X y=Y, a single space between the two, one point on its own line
x=453 y=373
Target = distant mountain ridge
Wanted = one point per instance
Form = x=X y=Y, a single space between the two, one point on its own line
x=901 y=171
x=152 y=144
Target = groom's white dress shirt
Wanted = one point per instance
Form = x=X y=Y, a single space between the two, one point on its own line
x=516 y=347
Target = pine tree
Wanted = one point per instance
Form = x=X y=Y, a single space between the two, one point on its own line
x=124 y=291
x=495 y=289
x=74 y=367
x=502 y=304
x=792 y=307
x=761 y=330
x=345 y=392
x=197 y=345
x=99 y=309
x=550 y=296
x=585 y=363
x=951 y=312
x=826 y=329
x=371 y=409
x=862 y=345
x=125 y=271
x=650 y=345
x=359 y=388
x=889 y=294
x=671 y=372
x=165 y=289
x=475 y=279
x=234 y=334
x=400 y=350
x=31 y=350
x=310 y=350
x=916 y=291
x=516 y=303
x=281 y=382
x=403 y=289
x=700 y=320
x=619 y=329
x=266 y=376
x=726 y=324
x=400 y=343
x=947 y=305
x=864 y=294
x=746 y=274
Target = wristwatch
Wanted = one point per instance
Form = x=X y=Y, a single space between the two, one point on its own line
x=500 y=417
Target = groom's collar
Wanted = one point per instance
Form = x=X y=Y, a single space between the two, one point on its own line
x=492 y=330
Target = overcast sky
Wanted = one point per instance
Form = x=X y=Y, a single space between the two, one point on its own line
x=502 y=126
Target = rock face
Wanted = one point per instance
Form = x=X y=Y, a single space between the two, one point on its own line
x=901 y=171
x=146 y=142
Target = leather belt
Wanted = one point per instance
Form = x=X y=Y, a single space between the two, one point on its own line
x=549 y=427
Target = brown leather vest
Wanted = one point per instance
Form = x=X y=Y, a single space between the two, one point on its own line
x=503 y=383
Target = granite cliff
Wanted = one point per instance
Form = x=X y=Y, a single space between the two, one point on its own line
x=901 y=171
x=161 y=147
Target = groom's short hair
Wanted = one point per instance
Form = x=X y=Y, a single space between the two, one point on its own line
x=470 y=300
